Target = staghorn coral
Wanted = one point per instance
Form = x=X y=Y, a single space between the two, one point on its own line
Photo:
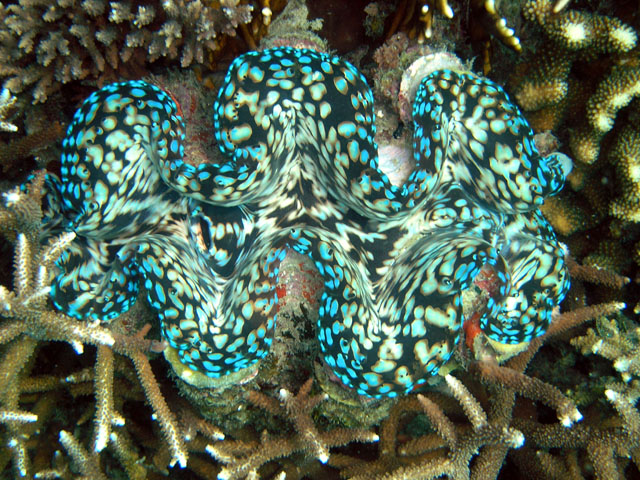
x=494 y=432
x=471 y=443
x=432 y=455
x=138 y=450
x=412 y=460
x=15 y=151
x=242 y=461
x=607 y=438
x=44 y=45
x=617 y=340
x=28 y=321
x=603 y=438
x=481 y=17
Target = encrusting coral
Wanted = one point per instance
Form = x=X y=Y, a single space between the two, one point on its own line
x=45 y=44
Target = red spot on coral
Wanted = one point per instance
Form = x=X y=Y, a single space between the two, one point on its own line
x=472 y=329
x=281 y=291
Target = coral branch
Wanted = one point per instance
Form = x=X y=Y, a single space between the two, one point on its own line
x=14 y=151
x=439 y=420
x=243 y=462
x=529 y=387
x=6 y=104
x=596 y=275
x=470 y=405
x=17 y=416
x=163 y=415
x=86 y=463
x=300 y=407
x=104 y=397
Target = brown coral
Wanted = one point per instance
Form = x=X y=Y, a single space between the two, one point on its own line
x=45 y=44
x=241 y=461
x=625 y=156
x=613 y=93
x=572 y=36
x=583 y=82
x=486 y=432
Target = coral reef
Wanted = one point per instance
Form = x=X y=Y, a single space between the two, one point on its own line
x=581 y=81
x=29 y=320
x=486 y=432
x=44 y=45
x=241 y=462
x=90 y=400
x=13 y=152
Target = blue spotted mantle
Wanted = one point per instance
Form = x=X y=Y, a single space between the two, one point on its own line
x=300 y=170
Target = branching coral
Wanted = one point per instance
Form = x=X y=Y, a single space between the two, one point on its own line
x=547 y=86
x=613 y=93
x=12 y=153
x=471 y=432
x=625 y=156
x=453 y=447
x=582 y=80
x=484 y=22
x=44 y=44
x=240 y=461
x=492 y=430
x=617 y=341
x=606 y=438
x=573 y=36
x=502 y=383
x=28 y=320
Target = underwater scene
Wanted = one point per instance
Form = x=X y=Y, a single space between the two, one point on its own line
x=291 y=239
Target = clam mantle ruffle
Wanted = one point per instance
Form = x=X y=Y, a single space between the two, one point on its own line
x=300 y=170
